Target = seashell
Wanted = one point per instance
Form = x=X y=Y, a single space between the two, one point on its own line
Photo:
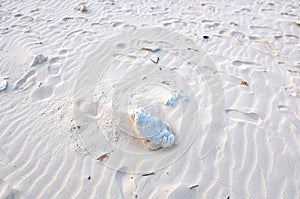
x=154 y=132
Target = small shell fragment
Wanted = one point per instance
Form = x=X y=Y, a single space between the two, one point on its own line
x=154 y=59
x=102 y=157
x=81 y=8
x=244 y=83
x=151 y=47
x=3 y=84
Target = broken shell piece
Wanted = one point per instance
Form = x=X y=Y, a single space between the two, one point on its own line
x=154 y=132
x=39 y=59
x=154 y=59
x=3 y=84
x=172 y=101
x=151 y=47
x=81 y=8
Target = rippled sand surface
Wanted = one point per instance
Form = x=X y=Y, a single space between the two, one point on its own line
x=65 y=131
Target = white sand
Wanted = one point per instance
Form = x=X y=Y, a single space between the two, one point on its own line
x=48 y=130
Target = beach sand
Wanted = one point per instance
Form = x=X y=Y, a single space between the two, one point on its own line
x=74 y=71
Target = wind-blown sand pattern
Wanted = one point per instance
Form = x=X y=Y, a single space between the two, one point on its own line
x=45 y=113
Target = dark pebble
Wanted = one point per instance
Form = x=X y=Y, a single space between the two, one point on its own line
x=205 y=37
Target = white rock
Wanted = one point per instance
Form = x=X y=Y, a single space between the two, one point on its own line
x=3 y=84
x=172 y=101
x=39 y=59
x=154 y=132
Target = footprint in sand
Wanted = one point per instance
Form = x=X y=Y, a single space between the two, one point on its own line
x=74 y=20
x=245 y=64
x=288 y=110
x=239 y=63
x=26 y=81
x=54 y=68
x=126 y=180
x=241 y=116
x=26 y=19
x=42 y=93
x=3 y=158
x=7 y=191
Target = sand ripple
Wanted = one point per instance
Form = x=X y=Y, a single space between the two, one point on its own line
x=257 y=154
